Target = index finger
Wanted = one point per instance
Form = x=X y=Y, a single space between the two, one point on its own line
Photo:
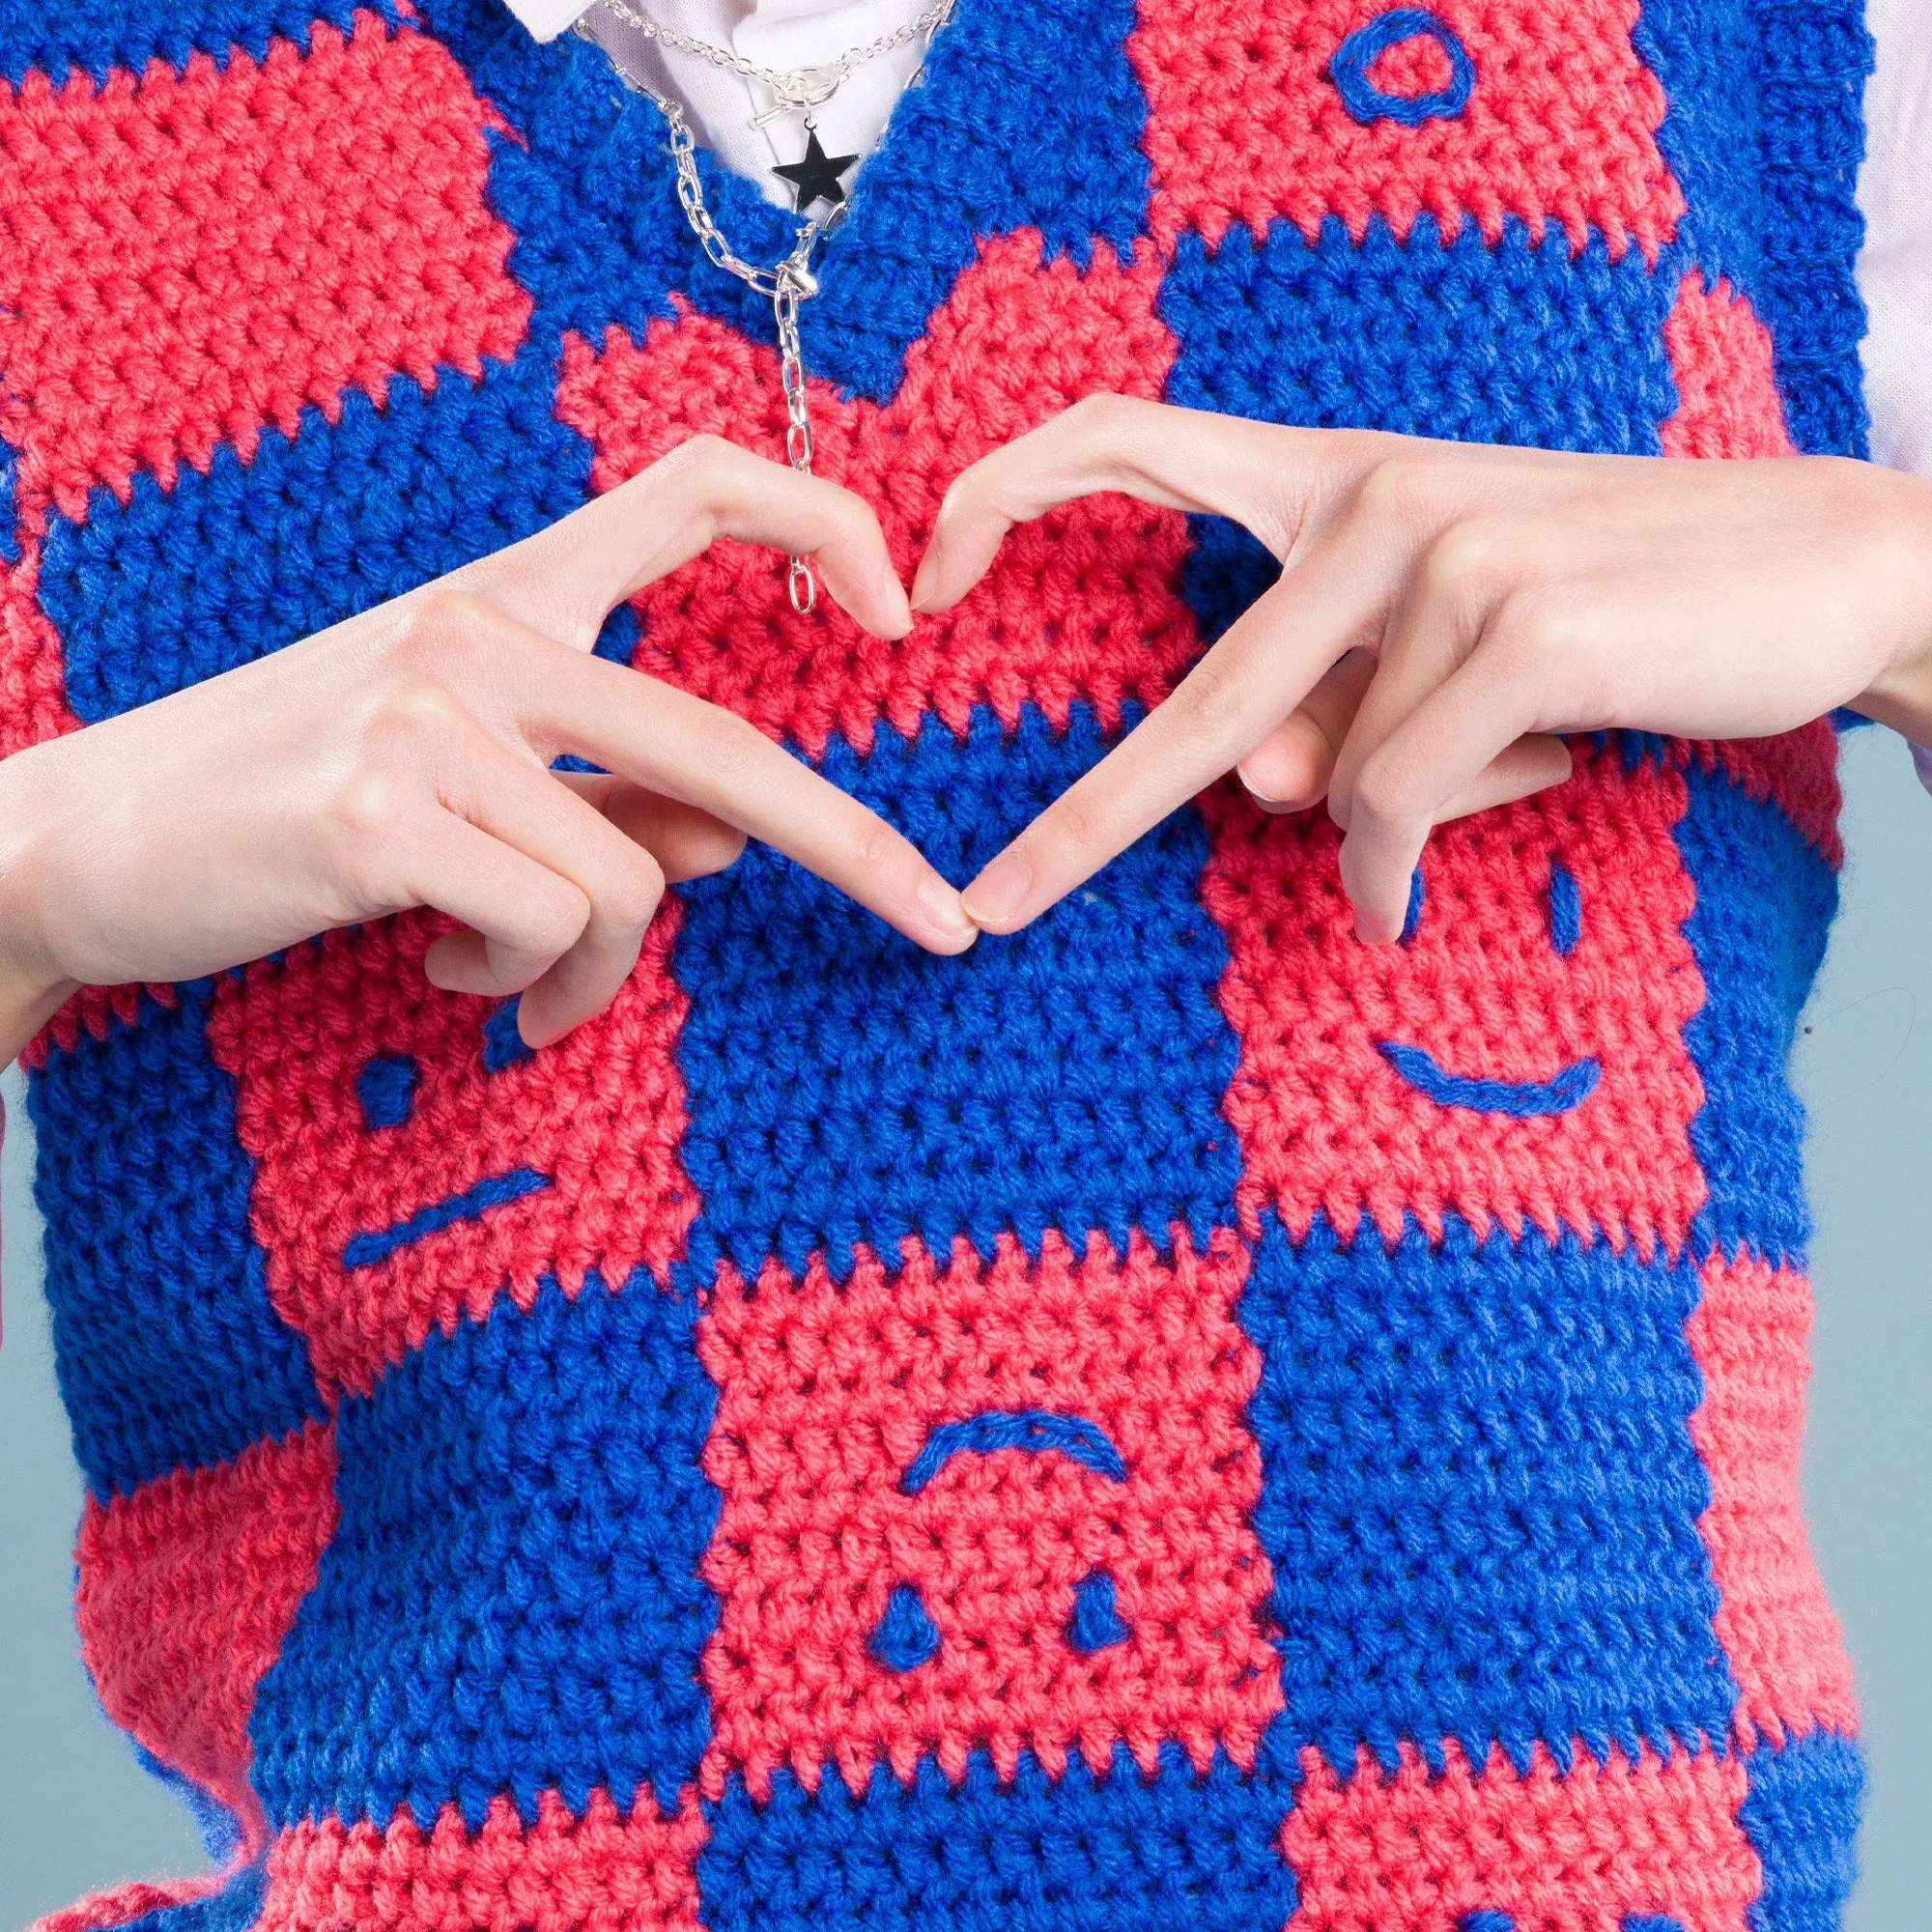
x=709 y=757
x=1262 y=474
x=1271 y=657
x=567 y=578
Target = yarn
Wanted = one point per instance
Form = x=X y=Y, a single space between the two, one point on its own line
x=1361 y=66
x=1174 y=1419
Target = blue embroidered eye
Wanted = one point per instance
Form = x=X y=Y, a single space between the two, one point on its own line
x=1096 y=1623
x=1566 y=909
x=1362 y=49
x=387 y=1087
x=1413 y=918
x=906 y=1636
x=503 y=1044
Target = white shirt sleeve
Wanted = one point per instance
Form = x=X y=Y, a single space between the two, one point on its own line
x=1895 y=269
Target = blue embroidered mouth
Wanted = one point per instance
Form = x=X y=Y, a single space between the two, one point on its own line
x=471 y=1204
x=1525 y=1099
x=1037 y=1429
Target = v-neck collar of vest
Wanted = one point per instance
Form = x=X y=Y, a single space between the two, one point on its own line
x=757 y=229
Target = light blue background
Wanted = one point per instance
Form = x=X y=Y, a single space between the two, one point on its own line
x=75 y=1812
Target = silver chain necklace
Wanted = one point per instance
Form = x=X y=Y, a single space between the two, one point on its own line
x=794 y=90
x=789 y=282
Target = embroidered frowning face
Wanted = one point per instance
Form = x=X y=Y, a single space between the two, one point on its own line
x=1520 y=1058
x=997 y=1507
x=413 y=1160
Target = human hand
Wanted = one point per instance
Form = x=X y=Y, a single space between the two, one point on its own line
x=1445 y=611
x=401 y=758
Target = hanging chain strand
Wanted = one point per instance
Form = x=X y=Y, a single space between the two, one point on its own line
x=789 y=282
x=794 y=90
x=801 y=586
x=785 y=286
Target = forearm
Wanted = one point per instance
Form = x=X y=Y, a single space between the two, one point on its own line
x=1901 y=696
x=32 y=988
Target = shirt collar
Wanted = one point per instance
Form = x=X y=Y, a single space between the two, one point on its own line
x=548 y=19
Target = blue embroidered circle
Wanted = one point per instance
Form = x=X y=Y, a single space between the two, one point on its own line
x=1359 y=52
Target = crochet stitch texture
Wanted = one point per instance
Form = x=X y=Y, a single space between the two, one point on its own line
x=1175 y=1420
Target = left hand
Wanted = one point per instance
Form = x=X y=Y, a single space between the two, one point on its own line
x=1445 y=611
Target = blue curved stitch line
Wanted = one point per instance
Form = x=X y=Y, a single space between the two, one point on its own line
x=504 y=1045
x=1353 y=58
x=1411 y=920
x=1526 y=1098
x=366 y=1250
x=1035 y=1429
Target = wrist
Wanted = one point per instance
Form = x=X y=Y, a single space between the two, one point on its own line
x=1901 y=695
x=32 y=988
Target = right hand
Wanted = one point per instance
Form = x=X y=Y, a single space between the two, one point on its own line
x=401 y=758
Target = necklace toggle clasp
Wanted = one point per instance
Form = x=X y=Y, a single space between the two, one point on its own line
x=799 y=92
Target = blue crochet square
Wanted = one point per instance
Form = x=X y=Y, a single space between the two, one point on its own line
x=169 y=1353
x=844 y=1086
x=1480 y=1496
x=180 y=585
x=1518 y=343
x=1802 y=1816
x=1765 y=903
x=511 y=1601
x=102 y=34
x=1120 y=1853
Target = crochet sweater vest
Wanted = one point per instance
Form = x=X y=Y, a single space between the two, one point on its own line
x=1174 y=1420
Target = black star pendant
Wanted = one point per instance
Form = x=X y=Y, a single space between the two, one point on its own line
x=816 y=177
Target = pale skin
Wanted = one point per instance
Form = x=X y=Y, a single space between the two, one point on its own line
x=402 y=760
x=1446 y=612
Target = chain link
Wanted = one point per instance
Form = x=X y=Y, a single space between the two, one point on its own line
x=793 y=88
x=785 y=286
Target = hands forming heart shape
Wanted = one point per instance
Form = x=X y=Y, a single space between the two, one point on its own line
x=1445 y=615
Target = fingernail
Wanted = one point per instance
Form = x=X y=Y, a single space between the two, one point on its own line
x=995 y=896
x=922 y=579
x=1276 y=806
x=895 y=594
x=941 y=904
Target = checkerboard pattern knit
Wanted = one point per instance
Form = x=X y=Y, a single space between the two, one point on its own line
x=1174 y=1420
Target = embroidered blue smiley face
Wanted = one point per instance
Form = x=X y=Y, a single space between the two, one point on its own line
x=1569 y=1088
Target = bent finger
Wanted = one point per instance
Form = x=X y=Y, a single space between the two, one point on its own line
x=530 y=811
x=676 y=745
x=1289 y=770
x=565 y=580
x=523 y=915
x=1180 y=459
x=1533 y=763
x=686 y=842
x=1261 y=671
x=1415 y=778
